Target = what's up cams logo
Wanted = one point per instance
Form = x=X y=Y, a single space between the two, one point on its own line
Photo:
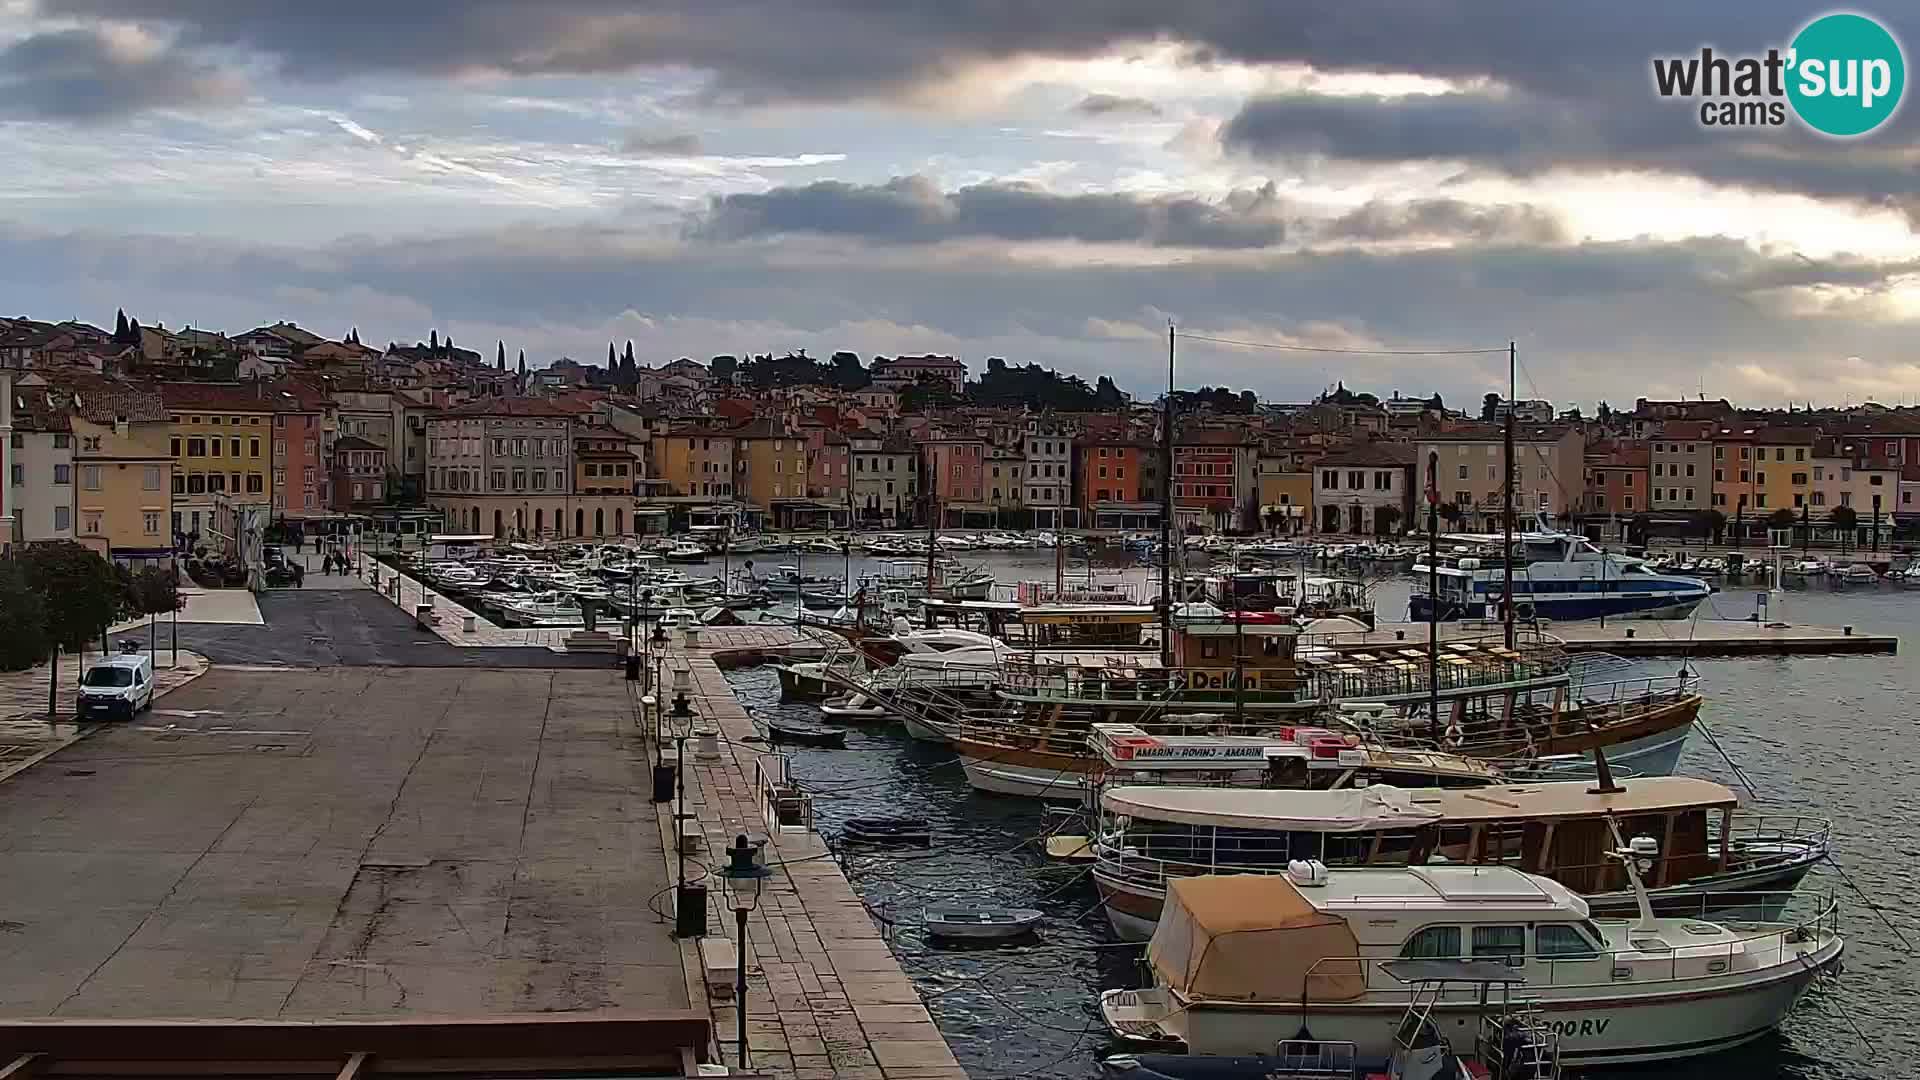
x=1843 y=75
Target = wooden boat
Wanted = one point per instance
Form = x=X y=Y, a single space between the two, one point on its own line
x=887 y=831
x=1711 y=857
x=980 y=924
x=799 y=734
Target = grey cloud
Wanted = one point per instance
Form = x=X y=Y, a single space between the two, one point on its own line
x=1579 y=73
x=1447 y=219
x=914 y=210
x=1110 y=104
x=661 y=145
x=1593 y=320
x=86 y=74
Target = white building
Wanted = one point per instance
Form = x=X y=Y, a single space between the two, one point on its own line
x=1049 y=474
x=40 y=470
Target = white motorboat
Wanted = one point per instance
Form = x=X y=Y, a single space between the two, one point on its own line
x=688 y=552
x=1857 y=574
x=1805 y=568
x=1242 y=962
x=1909 y=575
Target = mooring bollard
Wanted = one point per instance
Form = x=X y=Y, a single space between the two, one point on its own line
x=466 y=624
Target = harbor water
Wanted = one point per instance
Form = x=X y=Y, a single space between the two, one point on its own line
x=1822 y=736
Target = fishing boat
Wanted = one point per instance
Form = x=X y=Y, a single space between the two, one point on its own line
x=1512 y=1040
x=1148 y=836
x=980 y=924
x=1556 y=575
x=803 y=734
x=1242 y=962
x=687 y=552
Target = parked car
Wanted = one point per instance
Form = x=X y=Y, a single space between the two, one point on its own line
x=117 y=686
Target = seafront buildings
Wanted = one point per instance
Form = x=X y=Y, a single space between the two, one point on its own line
x=139 y=439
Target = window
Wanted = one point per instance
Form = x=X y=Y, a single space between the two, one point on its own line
x=1846 y=498
x=62 y=519
x=1746 y=476
x=1799 y=501
x=63 y=474
x=1799 y=453
x=1760 y=478
x=217 y=482
x=539 y=479
x=1463 y=472
x=1689 y=468
x=1119 y=472
x=150 y=478
x=1500 y=942
x=1433 y=943
x=1689 y=494
x=233 y=448
x=89 y=477
x=1760 y=500
x=1719 y=453
x=1656 y=468
x=152 y=522
x=1876 y=480
x=196 y=448
x=499 y=479
x=1719 y=476
x=1779 y=453
x=559 y=483
x=256 y=483
x=519 y=479
x=174 y=443
x=1559 y=941
x=1629 y=479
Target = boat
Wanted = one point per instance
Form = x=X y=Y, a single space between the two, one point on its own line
x=1150 y=835
x=687 y=552
x=1857 y=574
x=887 y=831
x=852 y=708
x=1909 y=575
x=1246 y=674
x=1556 y=575
x=802 y=734
x=980 y=924
x=1242 y=962
x=1512 y=1040
x=1805 y=568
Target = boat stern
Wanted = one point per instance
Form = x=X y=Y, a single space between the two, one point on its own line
x=1143 y=1018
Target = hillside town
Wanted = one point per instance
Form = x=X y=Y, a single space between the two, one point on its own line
x=136 y=440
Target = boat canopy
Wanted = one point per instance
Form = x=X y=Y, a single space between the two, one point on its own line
x=1252 y=937
x=1341 y=810
x=1385 y=807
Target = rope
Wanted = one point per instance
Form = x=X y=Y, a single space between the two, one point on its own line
x=1335 y=349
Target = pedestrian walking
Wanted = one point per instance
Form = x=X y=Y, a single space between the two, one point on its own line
x=299 y=575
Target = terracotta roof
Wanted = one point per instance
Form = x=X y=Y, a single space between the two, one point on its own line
x=225 y=397
x=510 y=406
x=355 y=442
x=1370 y=454
x=1686 y=429
x=33 y=412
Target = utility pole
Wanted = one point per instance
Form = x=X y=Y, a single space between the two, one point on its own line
x=1506 y=561
x=1166 y=514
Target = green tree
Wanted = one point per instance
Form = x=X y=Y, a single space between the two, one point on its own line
x=153 y=591
x=723 y=368
x=81 y=596
x=1386 y=519
x=1717 y=525
x=23 y=621
x=1780 y=519
x=1844 y=519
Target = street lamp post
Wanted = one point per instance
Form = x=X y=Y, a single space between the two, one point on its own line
x=744 y=874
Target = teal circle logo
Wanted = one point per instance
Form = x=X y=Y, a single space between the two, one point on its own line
x=1847 y=74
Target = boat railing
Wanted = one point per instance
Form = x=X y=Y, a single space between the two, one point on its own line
x=1799 y=835
x=1015 y=729
x=1754 y=946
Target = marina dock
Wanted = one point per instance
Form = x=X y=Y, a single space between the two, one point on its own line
x=1654 y=638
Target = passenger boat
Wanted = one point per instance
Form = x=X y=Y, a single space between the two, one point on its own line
x=1241 y=675
x=1149 y=836
x=1556 y=575
x=1242 y=962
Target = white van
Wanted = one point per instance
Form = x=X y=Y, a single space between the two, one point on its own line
x=117 y=686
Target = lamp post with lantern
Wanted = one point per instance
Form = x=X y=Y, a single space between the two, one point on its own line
x=744 y=875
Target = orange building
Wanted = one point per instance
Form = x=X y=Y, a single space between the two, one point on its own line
x=1110 y=483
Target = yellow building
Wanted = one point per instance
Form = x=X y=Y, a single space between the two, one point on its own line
x=695 y=460
x=1757 y=471
x=1286 y=498
x=123 y=473
x=770 y=464
x=221 y=443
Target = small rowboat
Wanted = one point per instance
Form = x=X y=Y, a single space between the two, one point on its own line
x=980 y=924
x=852 y=708
x=887 y=831
x=788 y=731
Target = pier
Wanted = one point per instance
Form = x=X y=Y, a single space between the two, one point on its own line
x=1655 y=638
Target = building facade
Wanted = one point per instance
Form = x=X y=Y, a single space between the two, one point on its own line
x=41 y=471
x=1549 y=472
x=1048 y=487
x=1681 y=466
x=222 y=443
x=1366 y=489
x=504 y=466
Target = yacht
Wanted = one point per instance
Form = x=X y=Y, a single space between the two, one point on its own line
x=1243 y=962
x=1856 y=574
x=1556 y=575
x=1805 y=568
x=687 y=552
x=1151 y=835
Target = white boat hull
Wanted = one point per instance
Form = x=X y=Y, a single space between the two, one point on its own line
x=925 y=732
x=1006 y=778
x=1596 y=1025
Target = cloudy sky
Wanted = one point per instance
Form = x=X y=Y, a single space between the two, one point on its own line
x=1048 y=182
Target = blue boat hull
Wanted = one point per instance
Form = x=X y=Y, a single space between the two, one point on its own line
x=1565 y=609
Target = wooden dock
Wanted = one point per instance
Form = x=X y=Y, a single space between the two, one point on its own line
x=1660 y=637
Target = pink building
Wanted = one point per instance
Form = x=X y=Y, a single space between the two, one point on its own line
x=300 y=473
x=954 y=470
x=829 y=475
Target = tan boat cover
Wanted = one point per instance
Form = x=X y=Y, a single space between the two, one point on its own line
x=1252 y=937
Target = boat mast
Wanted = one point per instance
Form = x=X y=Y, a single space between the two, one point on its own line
x=1433 y=595
x=933 y=533
x=1166 y=513
x=1506 y=563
